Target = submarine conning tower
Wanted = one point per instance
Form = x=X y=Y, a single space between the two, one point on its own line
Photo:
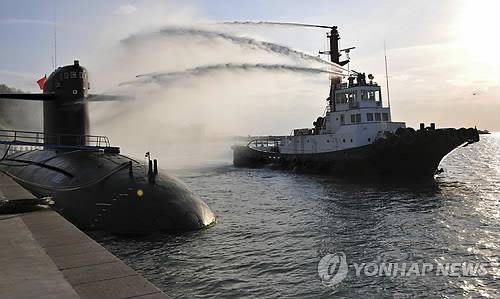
x=66 y=119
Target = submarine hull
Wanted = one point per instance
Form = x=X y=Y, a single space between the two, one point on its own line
x=110 y=192
x=407 y=154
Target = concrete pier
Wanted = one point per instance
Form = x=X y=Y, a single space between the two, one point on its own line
x=42 y=255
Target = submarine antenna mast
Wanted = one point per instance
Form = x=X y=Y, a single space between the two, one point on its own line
x=387 y=77
x=55 y=34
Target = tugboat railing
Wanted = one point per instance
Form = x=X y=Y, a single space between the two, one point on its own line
x=265 y=143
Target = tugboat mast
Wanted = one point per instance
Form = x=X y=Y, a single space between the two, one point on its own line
x=334 y=53
x=387 y=77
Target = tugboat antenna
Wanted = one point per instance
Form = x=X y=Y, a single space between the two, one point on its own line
x=347 y=51
x=387 y=77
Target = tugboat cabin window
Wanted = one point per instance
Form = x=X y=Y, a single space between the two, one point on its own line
x=66 y=75
x=373 y=96
x=369 y=116
x=352 y=97
x=353 y=102
x=363 y=95
x=377 y=117
x=341 y=98
x=73 y=75
x=385 y=117
x=355 y=118
x=342 y=119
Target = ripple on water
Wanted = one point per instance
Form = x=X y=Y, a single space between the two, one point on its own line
x=275 y=226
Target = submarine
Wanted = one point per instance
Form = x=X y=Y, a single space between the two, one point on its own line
x=356 y=136
x=87 y=179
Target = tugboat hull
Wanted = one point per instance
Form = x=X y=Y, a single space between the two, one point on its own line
x=408 y=153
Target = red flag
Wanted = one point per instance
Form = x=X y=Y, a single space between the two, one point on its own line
x=41 y=82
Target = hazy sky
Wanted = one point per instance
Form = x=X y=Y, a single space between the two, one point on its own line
x=444 y=56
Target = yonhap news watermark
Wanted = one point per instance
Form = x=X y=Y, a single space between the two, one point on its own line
x=333 y=269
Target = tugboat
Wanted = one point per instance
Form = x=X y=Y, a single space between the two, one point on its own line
x=356 y=135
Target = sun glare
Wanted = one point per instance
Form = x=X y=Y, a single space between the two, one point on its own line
x=478 y=29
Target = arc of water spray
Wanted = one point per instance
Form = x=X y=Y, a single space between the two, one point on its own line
x=243 y=41
x=266 y=23
x=276 y=23
x=208 y=69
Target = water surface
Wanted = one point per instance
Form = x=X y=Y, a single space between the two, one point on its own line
x=274 y=227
